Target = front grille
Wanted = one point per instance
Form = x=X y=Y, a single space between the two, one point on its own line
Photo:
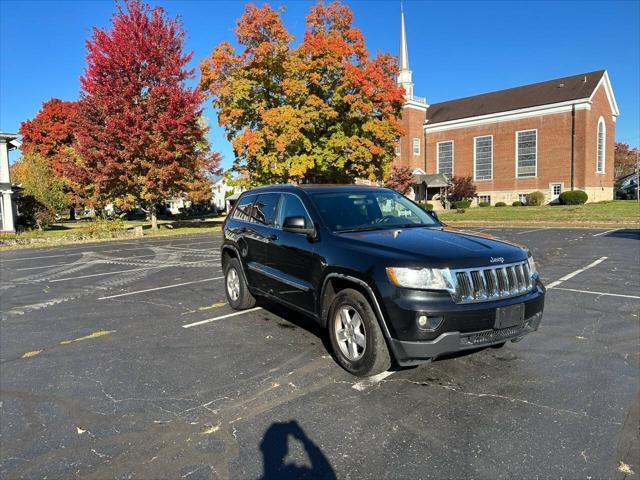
x=491 y=283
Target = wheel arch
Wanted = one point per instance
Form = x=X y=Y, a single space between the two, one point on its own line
x=335 y=282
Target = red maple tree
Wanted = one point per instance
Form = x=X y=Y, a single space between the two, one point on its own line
x=139 y=123
x=51 y=134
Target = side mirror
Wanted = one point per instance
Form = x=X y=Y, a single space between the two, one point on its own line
x=297 y=225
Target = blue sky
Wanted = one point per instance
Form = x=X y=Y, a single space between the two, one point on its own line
x=456 y=49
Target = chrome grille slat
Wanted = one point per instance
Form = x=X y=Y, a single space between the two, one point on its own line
x=491 y=282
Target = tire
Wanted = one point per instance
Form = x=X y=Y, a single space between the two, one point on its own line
x=358 y=346
x=235 y=287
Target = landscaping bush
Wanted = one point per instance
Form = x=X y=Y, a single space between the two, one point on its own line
x=517 y=203
x=461 y=204
x=426 y=206
x=102 y=227
x=461 y=188
x=460 y=210
x=535 y=199
x=484 y=204
x=500 y=204
x=573 y=197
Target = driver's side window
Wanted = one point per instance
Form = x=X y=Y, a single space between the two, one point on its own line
x=291 y=206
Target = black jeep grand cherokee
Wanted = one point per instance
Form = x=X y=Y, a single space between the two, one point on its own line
x=385 y=277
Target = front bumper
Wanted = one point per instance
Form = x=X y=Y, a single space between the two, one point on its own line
x=465 y=327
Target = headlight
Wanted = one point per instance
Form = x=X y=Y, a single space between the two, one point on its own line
x=532 y=266
x=422 y=278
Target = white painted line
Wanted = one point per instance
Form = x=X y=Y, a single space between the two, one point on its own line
x=222 y=317
x=597 y=293
x=100 y=260
x=159 y=288
x=36 y=258
x=608 y=231
x=123 y=271
x=575 y=272
x=534 y=230
x=368 y=382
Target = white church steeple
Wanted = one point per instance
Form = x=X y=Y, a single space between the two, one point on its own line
x=404 y=77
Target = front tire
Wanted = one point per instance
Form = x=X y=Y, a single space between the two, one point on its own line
x=355 y=335
x=236 y=288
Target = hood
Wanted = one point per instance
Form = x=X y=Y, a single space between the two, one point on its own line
x=438 y=247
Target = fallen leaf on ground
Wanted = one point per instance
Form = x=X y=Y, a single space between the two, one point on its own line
x=624 y=468
x=99 y=333
x=31 y=354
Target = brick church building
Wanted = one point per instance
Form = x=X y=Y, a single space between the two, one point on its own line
x=550 y=136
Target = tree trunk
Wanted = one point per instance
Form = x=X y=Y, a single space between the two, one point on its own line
x=72 y=212
x=154 y=217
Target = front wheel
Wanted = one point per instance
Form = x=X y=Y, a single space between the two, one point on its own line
x=236 y=289
x=355 y=335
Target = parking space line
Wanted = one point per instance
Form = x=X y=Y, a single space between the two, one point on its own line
x=575 y=272
x=597 y=293
x=159 y=288
x=369 y=382
x=98 y=260
x=604 y=233
x=228 y=315
x=36 y=258
x=534 y=230
x=123 y=271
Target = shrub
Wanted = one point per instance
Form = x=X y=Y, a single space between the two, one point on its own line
x=460 y=210
x=426 y=206
x=573 y=197
x=517 y=203
x=500 y=204
x=484 y=204
x=461 y=188
x=535 y=199
x=461 y=204
x=102 y=227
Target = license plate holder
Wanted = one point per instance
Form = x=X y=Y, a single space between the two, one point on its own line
x=509 y=316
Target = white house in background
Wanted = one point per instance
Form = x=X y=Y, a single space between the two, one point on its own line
x=220 y=189
x=8 y=141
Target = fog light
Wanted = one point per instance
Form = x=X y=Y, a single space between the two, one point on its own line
x=428 y=323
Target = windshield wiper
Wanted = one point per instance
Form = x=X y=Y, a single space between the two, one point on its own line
x=384 y=227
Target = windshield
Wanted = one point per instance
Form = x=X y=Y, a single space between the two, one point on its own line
x=369 y=210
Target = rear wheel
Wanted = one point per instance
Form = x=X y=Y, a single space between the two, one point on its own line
x=355 y=335
x=236 y=289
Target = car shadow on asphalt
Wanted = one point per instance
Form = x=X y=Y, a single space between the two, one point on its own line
x=275 y=448
x=630 y=233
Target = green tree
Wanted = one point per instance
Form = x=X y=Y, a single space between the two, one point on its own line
x=46 y=190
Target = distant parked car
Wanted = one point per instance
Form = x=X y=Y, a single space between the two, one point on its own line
x=627 y=187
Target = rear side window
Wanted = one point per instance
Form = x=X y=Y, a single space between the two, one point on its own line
x=244 y=208
x=265 y=208
x=292 y=207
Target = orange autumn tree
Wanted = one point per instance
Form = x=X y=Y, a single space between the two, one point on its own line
x=322 y=110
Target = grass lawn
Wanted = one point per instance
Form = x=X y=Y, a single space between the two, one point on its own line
x=622 y=213
x=197 y=224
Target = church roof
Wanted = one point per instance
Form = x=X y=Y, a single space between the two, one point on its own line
x=533 y=95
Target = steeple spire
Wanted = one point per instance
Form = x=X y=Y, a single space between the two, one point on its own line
x=404 y=77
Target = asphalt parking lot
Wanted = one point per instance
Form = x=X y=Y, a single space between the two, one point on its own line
x=122 y=360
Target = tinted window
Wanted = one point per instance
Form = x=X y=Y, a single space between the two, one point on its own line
x=292 y=207
x=266 y=208
x=369 y=209
x=243 y=209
